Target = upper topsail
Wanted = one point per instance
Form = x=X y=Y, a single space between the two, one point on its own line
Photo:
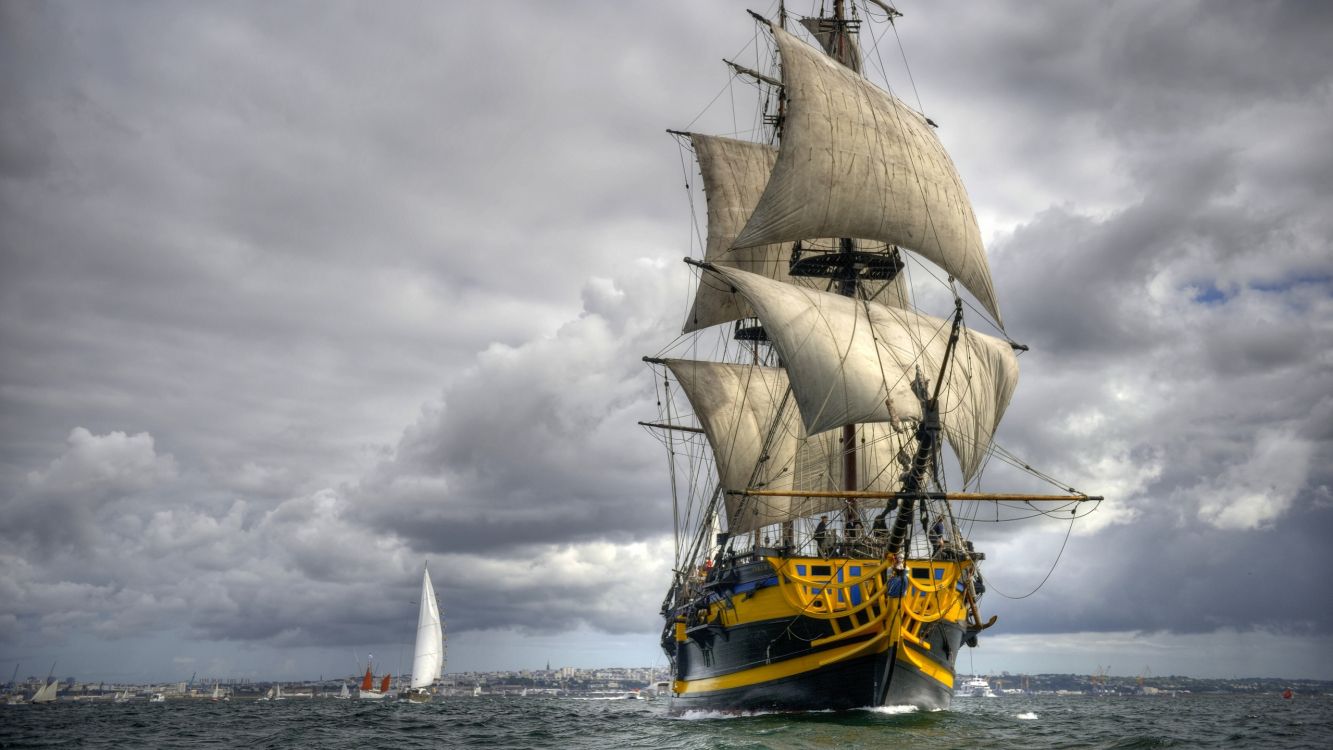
x=734 y=175
x=842 y=47
x=856 y=162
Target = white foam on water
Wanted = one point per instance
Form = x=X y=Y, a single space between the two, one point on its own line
x=892 y=709
x=702 y=715
x=1028 y=716
x=695 y=714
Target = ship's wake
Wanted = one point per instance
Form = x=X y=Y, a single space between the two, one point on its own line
x=707 y=715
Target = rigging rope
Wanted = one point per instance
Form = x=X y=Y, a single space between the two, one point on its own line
x=991 y=585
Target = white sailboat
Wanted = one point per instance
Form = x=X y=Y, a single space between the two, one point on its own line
x=344 y=694
x=46 y=693
x=428 y=656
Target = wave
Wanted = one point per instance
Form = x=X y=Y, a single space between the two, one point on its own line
x=893 y=709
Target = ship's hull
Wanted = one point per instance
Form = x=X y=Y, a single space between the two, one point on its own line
x=418 y=695
x=845 y=640
x=369 y=695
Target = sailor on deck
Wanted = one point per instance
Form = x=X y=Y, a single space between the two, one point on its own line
x=852 y=530
x=821 y=537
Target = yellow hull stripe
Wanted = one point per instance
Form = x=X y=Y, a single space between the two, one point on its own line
x=927 y=665
x=777 y=671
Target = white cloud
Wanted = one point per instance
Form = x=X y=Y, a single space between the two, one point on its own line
x=114 y=462
x=1254 y=490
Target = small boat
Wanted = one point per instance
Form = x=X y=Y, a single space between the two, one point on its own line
x=428 y=655
x=157 y=698
x=344 y=694
x=46 y=693
x=122 y=696
x=368 y=691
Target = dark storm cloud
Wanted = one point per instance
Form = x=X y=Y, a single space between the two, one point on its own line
x=1157 y=575
x=255 y=240
x=294 y=298
x=1180 y=343
x=537 y=443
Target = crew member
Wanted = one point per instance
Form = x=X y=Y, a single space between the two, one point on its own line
x=821 y=536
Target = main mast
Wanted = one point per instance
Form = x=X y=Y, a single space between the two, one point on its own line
x=847 y=286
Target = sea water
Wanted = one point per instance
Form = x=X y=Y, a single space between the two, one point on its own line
x=1183 y=721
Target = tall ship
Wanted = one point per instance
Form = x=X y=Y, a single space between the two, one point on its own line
x=821 y=557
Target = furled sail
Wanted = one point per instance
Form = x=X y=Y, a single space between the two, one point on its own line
x=734 y=175
x=852 y=361
x=428 y=657
x=845 y=48
x=856 y=162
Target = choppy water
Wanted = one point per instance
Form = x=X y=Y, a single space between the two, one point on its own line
x=1195 y=721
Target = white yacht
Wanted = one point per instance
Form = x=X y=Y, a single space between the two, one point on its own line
x=973 y=687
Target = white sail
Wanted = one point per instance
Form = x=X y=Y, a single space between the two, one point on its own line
x=753 y=446
x=46 y=693
x=734 y=174
x=845 y=48
x=758 y=443
x=883 y=452
x=856 y=162
x=428 y=657
x=852 y=361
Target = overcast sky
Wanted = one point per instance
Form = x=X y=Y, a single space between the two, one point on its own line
x=296 y=296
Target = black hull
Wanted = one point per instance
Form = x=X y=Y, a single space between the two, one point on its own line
x=729 y=653
x=881 y=679
x=838 y=687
